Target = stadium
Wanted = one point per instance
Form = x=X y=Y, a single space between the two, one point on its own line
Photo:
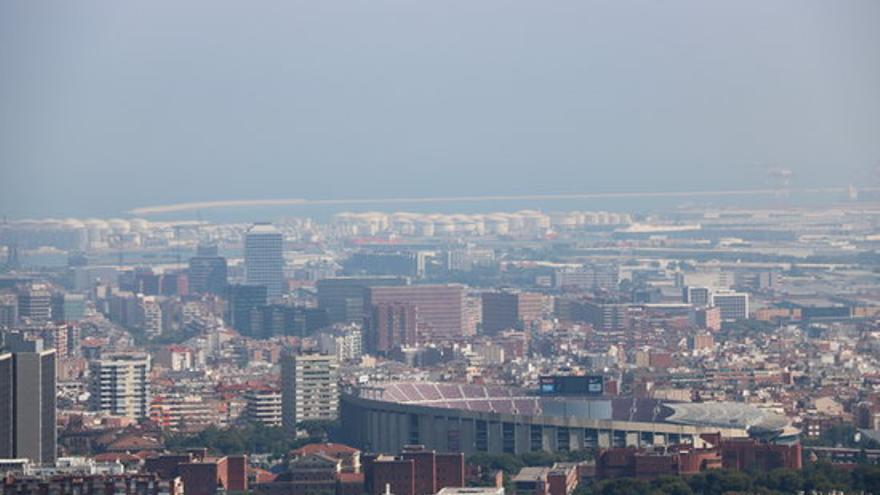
x=469 y=418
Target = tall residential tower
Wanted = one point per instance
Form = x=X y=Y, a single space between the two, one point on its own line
x=309 y=389
x=120 y=385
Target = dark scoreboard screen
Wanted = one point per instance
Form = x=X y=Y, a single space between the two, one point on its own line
x=572 y=385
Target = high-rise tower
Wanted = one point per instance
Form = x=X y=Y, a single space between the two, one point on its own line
x=309 y=389
x=27 y=402
x=264 y=258
x=120 y=385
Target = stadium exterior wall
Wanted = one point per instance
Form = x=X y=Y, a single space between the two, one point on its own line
x=382 y=426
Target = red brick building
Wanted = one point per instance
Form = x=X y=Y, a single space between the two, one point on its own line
x=748 y=453
x=391 y=325
x=709 y=318
x=314 y=473
x=416 y=471
x=676 y=460
x=350 y=457
x=739 y=454
x=562 y=479
x=201 y=475
x=440 y=308
x=124 y=484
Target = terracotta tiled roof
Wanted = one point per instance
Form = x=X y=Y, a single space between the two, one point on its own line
x=134 y=443
x=261 y=475
x=117 y=456
x=351 y=477
x=332 y=449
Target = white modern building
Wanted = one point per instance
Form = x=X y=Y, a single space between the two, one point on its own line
x=346 y=344
x=733 y=305
x=263 y=406
x=119 y=385
x=264 y=258
x=310 y=390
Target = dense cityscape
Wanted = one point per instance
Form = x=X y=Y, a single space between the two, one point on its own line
x=703 y=350
x=457 y=247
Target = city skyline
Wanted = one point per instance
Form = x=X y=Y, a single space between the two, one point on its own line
x=379 y=247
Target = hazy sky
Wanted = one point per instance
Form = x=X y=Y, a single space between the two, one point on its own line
x=111 y=105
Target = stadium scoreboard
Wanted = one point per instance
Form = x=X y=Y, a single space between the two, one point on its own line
x=572 y=385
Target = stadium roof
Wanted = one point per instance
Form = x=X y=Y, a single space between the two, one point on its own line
x=726 y=415
x=508 y=400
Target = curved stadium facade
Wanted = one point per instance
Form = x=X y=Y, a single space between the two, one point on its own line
x=450 y=417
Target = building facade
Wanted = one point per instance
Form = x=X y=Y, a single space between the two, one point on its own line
x=27 y=404
x=390 y=326
x=35 y=304
x=241 y=300
x=509 y=310
x=263 y=406
x=343 y=297
x=441 y=311
x=119 y=385
x=207 y=274
x=264 y=258
x=309 y=389
x=733 y=305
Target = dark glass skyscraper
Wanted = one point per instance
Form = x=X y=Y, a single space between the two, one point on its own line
x=241 y=301
x=27 y=402
x=207 y=274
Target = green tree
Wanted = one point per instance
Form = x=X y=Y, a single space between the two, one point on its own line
x=866 y=478
x=539 y=458
x=256 y=439
x=783 y=480
x=671 y=485
x=719 y=482
x=823 y=477
x=496 y=462
x=622 y=486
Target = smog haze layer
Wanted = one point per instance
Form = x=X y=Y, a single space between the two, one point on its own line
x=111 y=106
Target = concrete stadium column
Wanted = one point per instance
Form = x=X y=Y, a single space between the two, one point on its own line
x=604 y=439
x=577 y=438
x=468 y=436
x=401 y=429
x=632 y=439
x=496 y=438
x=548 y=439
x=523 y=437
x=382 y=432
x=375 y=430
x=438 y=440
